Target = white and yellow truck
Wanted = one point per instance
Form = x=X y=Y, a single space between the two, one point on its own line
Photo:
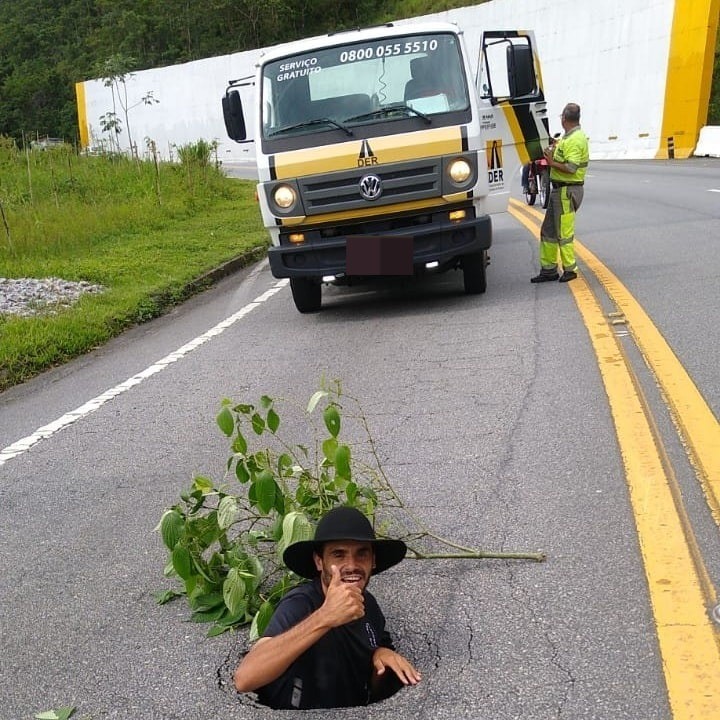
x=383 y=151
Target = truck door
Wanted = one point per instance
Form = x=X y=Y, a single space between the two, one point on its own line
x=513 y=111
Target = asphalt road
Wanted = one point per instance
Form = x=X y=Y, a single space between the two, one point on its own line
x=491 y=420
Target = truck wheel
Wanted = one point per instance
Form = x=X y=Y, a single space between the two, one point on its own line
x=474 y=275
x=307 y=294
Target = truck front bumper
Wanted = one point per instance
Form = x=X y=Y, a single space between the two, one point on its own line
x=438 y=242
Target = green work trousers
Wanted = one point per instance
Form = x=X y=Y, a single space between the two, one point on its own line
x=558 y=229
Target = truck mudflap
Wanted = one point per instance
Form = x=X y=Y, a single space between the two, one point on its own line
x=442 y=243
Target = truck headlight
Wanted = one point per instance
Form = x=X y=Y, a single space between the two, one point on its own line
x=459 y=170
x=284 y=196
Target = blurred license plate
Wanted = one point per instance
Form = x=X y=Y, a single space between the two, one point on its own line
x=379 y=255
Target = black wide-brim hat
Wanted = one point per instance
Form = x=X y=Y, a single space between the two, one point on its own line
x=342 y=523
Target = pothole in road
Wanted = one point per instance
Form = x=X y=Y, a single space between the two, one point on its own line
x=419 y=647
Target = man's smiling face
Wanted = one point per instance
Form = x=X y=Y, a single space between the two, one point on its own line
x=355 y=561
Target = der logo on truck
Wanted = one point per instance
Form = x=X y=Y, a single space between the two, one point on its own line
x=367 y=156
x=493 y=151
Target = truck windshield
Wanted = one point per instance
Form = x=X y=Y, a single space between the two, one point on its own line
x=337 y=88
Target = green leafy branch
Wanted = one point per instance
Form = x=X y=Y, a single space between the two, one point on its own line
x=61 y=713
x=225 y=540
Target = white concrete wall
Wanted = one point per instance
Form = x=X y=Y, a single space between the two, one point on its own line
x=611 y=57
x=188 y=108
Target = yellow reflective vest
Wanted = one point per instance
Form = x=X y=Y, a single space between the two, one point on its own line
x=571 y=148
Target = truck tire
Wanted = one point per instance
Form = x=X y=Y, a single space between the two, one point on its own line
x=474 y=275
x=307 y=294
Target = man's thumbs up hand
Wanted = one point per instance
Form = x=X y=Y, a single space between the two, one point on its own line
x=344 y=602
x=335 y=577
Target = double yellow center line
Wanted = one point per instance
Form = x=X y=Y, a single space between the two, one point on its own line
x=681 y=592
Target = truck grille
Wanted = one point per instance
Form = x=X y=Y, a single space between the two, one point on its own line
x=333 y=192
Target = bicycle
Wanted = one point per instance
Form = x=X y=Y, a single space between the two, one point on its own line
x=536 y=181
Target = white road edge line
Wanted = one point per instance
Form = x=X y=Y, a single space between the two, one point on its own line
x=46 y=431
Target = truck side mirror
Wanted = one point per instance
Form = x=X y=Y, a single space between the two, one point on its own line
x=234 y=117
x=521 y=73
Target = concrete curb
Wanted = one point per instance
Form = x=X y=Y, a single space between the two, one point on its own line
x=227 y=268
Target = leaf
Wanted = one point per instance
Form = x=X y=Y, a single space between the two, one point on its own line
x=273 y=421
x=225 y=421
x=228 y=620
x=172 y=527
x=342 y=462
x=216 y=630
x=265 y=489
x=182 y=562
x=234 y=591
x=279 y=504
x=276 y=528
x=283 y=463
x=315 y=399
x=206 y=601
x=329 y=448
x=261 y=620
x=203 y=484
x=199 y=498
x=331 y=416
x=191 y=584
x=266 y=401
x=165 y=597
x=351 y=491
x=227 y=511
x=252 y=462
x=61 y=713
x=295 y=527
x=205 y=529
x=244 y=409
x=255 y=573
x=258 y=424
x=204 y=616
x=241 y=472
x=306 y=498
x=239 y=445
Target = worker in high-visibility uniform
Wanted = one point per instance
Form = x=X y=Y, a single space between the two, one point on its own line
x=568 y=160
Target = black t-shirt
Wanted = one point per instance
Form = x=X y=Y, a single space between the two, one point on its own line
x=336 y=670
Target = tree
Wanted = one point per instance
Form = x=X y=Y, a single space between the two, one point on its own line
x=115 y=73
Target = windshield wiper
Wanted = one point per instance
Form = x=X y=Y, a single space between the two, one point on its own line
x=389 y=110
x=309 y=123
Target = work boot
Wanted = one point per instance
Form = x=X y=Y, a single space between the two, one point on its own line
x=545 y=276
x=567 y=276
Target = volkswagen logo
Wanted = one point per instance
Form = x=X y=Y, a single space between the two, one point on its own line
x=371 y=187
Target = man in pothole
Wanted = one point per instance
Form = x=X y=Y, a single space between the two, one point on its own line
x=326 y=645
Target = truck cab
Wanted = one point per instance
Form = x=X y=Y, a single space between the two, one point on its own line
x=381 y=151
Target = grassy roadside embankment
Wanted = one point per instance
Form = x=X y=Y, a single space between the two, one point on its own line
x=144 y=231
